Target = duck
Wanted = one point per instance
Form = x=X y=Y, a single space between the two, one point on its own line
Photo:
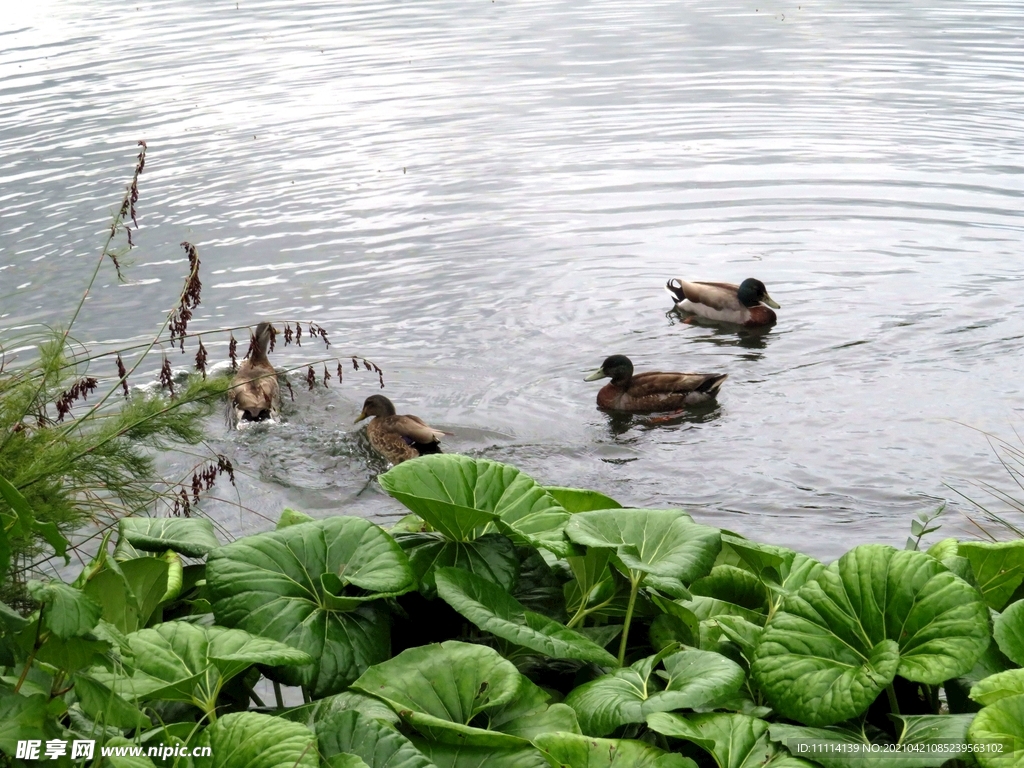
x=398 y=438
x=742 y=304
x=652 y=391
x=255 y=394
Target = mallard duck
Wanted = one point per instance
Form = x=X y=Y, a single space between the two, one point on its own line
x=652 y=391
x=254 y=392
x=740 y=304
x=395 y=437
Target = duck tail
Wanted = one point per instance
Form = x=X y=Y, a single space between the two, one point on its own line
x=713 y=383
x=675 y=287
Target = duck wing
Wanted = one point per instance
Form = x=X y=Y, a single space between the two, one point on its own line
x=255 y=391
x=656 y=383
x=720 y=296
x=416 y=428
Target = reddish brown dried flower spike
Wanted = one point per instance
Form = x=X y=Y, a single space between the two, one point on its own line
x=327 y=376
x=339 y=372
x=367 y=365
x=252 y=346
x=224 y=466
x=310 y=377
x=190 y=297
x=123 y=373
x=298 y=335
x=201 y=358
x=287 y=334
x=233 y=352
x=355 y=364
x=79 y=391
x=291 y=392
x=166 y=377
x=273 y=338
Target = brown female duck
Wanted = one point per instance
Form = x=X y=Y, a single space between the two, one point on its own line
x=395 y=437
x=652 y=391
x=254 y=393
x=742 y=304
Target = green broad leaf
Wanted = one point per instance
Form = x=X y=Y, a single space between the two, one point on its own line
x=192 y=536
x=292 y=517
x=10 y=620
x=875 y=613
x=271 y=584
x=998 y=686
x=566 y=750
x=662 y=542
x=148 y=578
x=734 y=741
x=745 y=634
x=74 y=653
x=440 y=689
x=464 y=497
x=345 y=760
x=733 y=585
x=67 y=612
x=629 y=695
x=104 y=706
x=1008 y=631
x=493 y=610
x=957 y=690
x=175 y=577
x=252 y=740
x=180 y=661
x=491 y=556
x=998 y=568
x=376 y=744
x=940 y=550
x=126 y=760
x=574 y=500
x=709 y=608
x=465 y=756
x=926 y=741
x=25 y=524
x=997 y=733
x=23 y=718
x=310 y=714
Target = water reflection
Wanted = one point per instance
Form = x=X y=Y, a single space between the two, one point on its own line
x=620 y=423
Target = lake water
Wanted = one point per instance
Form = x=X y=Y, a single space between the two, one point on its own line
x=486 y=199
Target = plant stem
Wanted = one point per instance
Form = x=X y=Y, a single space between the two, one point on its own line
x=35 y=649
x=893 y=704
x=277 y=695
x=634 y=587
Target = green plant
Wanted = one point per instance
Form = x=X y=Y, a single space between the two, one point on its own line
x=740 y=654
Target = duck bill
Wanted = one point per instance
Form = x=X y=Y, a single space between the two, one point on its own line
x=770 y=301
x=362 y=415
x=598 y=374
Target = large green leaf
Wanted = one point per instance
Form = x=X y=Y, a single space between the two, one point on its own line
x=1008 y=631
x=23 y=718
x=661 y=542
x=130 y=591
x=491 y=556
x=467 y=756
x=252 y=740
x=493 y=610
x=692 y=678
x=733 y=585
x=309 y=714
x=925 y=741
x=458 y=693
x=378 y=745
x=997 y=734
x=180 y=661
x=463 y=497
x=67 y=612
x=841 y=639
x=998 y=568
x=734 y=741
x=998 y=686
x=192 y=536
x=310 y=586
x=105 y=706
x=566 y=750
x=575 y=500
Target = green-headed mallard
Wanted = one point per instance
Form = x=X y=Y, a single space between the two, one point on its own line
x=254 y=392
x=395 y=437
x=725 y=302
x=653 y=391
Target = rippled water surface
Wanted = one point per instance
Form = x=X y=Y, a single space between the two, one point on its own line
x=486 y=198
